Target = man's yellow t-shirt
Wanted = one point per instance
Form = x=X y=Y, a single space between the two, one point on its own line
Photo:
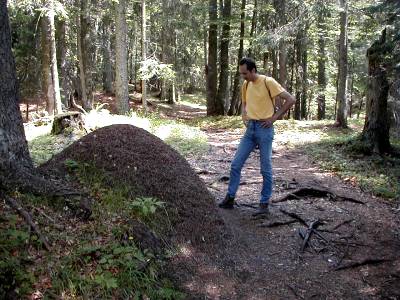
x=256 y=97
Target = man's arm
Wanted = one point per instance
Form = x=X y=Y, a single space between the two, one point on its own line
x=245 y=118
x=289 y=100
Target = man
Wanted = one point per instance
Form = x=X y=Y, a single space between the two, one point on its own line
x=259 y=115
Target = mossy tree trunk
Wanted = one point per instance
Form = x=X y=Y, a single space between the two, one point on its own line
x=376 y=126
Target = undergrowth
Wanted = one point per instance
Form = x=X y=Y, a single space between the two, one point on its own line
x=97 y=259
x=343 y=153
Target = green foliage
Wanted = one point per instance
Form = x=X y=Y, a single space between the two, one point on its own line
x=14 y=275
x=349 y=158
x=153 y=68
x=92 y=260
x=145 y=206
x=24 y=27
x=109 y=271
x=44 y=147
x=217 y=122
x=186 y=141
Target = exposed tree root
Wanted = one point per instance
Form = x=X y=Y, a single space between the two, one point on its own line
x=294 y=216
x=30 y=181
x=309 y=232
x=367 y=261
x=278 y=223
x=28 y=219
x=308 y=191
x=342 y=223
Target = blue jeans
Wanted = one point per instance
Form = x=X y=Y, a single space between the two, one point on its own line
x=254 y=135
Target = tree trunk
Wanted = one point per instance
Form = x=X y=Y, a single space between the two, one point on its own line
x=211 y=70
x=281 y=13
x=121 y=59
x=304 y=55
x=63 y=63
x=53 y=59
x=376 y=126
x=167 y=40
x=253 y=31
x=144 y=53
x=274 y=64
x=47 y=89
x=13 y=145
x=223 y=91
x=234 y=108
x=16 y=167
x=321 y=64
x=107 y=65
x=341 y=97
x=84 y=53
x=297 y=105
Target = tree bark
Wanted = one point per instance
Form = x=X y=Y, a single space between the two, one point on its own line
x=107 y=65
x=297 y=105
x=47 y=89
x=16 y=167
x=144 y=53
x=281 y=13
x=341 y=97
x=234 y=108
x=211 y=70
x=304 y=80
x=321 y=62
x=53 y=59
x=63 y=63
x=121 y=59
x=84 y=55
x=223 y=91
x=250 y=52
x=13 y=145
x=376 y=126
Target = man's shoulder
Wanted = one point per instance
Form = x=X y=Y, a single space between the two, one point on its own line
x=269 y=78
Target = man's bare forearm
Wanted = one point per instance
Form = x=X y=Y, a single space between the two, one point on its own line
x=287 y=104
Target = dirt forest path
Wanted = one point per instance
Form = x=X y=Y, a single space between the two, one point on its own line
x=353 y=254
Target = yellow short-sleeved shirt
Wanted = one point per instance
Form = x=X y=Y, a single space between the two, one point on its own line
x=255 y=96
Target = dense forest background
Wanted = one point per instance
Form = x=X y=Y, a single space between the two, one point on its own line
x=67 y=51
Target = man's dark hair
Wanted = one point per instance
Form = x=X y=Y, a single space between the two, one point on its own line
x=249 y=62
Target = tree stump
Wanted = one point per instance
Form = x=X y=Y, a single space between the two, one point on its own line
x=71 y=120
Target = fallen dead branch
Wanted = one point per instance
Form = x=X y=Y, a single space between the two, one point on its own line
x=321 y=192
x=294 y=291
x=342 y=223
x=277 y=223
x=294 y=216
x=28 y=219
x=367 y=261
x=55 y=225
x=311 y=229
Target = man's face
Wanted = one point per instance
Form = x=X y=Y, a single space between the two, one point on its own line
x=246 y=74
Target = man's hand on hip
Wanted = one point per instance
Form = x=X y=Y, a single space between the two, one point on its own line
x=266 y=123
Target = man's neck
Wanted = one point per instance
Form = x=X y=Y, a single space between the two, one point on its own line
x=255 y=77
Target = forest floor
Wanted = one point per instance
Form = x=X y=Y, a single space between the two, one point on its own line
x=353 y=254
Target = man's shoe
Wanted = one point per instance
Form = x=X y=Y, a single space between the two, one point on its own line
x=227 y=202
x=263 y=209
